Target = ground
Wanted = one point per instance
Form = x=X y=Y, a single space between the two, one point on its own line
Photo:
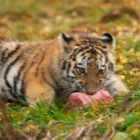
x=45 y=19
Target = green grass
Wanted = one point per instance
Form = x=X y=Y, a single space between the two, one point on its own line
x=44 y=19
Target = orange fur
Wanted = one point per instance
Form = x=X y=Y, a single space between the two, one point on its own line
x=35 y=70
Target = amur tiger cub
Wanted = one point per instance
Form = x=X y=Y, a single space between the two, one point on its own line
x=76 y=61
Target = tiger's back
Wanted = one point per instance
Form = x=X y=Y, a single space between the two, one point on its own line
x=23 y=65
x=79 y=62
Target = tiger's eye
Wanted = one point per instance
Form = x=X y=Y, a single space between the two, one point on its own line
x=101 y=71
x=81 y=70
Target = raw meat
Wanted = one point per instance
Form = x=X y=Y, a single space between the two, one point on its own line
x=78 y=99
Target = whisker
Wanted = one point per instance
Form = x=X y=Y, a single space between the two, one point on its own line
x=81 y=88
x=68 y=90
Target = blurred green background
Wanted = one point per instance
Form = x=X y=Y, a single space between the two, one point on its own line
x=43 y=19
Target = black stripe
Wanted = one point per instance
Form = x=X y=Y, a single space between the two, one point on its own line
x=83 y=54
x=6 y=73
x=41 y=60
x=57 y=85
x=11 y=53
x=23 y=86
x=45 y=80
x=94 y=52
x=68 y=67
x=83 y=57
x=3 y=90
x=74 y=71
x=111 y=66
x=20 y=97
x=74 y=58
x=9 y=67
x=4 y=97
x=34 y=58
x=100 y=58
x=100 y=53
x=3 y=54
x=64 y=65
x=15 y=84
x=16 y=78
x=86 y=51
x=22 y=91
x=101 y=50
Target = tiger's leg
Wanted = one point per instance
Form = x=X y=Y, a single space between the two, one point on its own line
x=36 y=91
x=121 y=88
x=115 y=86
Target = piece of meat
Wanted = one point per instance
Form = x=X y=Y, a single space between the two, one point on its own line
x=78 y=99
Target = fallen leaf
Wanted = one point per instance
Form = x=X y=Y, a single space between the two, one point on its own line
x=120 y=119
x=121 y=136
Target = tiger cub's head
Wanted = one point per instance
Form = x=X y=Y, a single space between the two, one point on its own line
x=87 y=61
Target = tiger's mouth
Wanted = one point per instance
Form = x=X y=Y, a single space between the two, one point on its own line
x=87 y=92
x=93 y=92
x=79 y=88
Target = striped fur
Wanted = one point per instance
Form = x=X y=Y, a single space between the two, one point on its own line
x=74 y=62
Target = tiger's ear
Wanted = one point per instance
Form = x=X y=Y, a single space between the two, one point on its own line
x=108 y=38
x=65 y=42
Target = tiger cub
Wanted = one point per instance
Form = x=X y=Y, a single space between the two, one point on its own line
x=77 y=61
